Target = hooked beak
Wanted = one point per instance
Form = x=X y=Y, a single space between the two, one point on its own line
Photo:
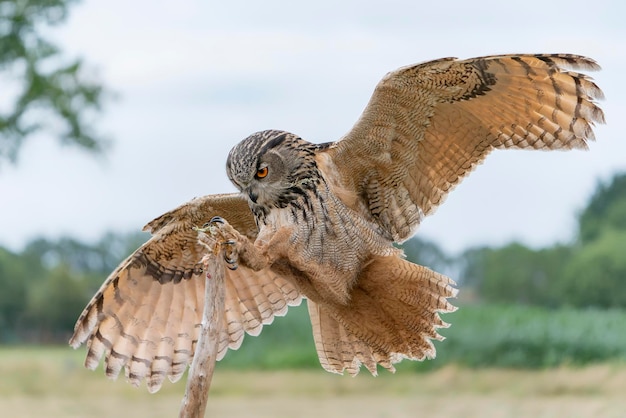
x=253 y=196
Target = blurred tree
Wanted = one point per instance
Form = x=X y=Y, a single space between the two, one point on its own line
x=54 y=92
x=13 y=294
x=44 y=288
x=426 y=253
x=99 y=258
x=92 y=262
x=515 y=273
x=53 y=306
x=596 y=275
x=605 y=211
x=590 y=273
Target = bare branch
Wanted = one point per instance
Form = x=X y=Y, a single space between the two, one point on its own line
x=203 y=364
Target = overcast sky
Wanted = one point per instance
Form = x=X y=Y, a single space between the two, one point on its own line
x=195 y=77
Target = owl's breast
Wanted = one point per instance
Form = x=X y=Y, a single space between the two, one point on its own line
x=320 y=230
x=324 y=241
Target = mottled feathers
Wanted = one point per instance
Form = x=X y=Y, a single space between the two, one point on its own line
x=146 y=316
x=427 y=126
x=320 y=221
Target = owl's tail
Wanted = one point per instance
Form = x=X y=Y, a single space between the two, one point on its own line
x=393 y=314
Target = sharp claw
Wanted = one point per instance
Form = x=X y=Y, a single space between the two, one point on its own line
x=231 y=263
x=228 y=257
x=212 y=229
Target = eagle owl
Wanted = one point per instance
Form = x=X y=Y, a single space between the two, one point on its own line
x=319 y=221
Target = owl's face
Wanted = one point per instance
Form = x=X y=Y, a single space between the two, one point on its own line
x=269 y=167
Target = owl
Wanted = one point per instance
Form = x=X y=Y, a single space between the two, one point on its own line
x=319 y=221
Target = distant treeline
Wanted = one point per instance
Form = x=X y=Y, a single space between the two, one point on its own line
x=44 y=287
x=587 y=273
x=510 y=336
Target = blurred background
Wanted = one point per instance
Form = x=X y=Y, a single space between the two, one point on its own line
x=114 y=112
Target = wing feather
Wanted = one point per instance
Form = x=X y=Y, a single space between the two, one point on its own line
x=146 y=316
x=428 y=125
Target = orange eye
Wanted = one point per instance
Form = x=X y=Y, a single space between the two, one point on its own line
x=262 y=172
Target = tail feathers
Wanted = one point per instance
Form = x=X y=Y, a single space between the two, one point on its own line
x=338 y=350
x=393 y=314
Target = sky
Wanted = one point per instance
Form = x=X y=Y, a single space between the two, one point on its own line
x=193 y=78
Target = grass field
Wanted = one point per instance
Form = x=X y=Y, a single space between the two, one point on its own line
x=51 y=382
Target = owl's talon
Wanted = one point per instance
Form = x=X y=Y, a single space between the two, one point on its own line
x=229 y=258
x=231 y=263
x=230 y=253
x=217 y=220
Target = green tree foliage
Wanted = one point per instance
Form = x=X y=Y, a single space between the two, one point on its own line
x=54 y=92
x=596 y=273
x=516 y=273
x=45 y=287
x=426 y=253
x=52 y=306
x=99 y=258
x=13 y=291
x=590 y=272
x=605 y=211
x=596 y=276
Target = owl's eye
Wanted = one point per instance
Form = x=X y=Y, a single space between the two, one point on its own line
x=262 y=172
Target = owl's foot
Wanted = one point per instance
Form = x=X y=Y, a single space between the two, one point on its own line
x=230 y=254
x=225 y=238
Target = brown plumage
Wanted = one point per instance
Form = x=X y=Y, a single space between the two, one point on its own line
x=320 y=221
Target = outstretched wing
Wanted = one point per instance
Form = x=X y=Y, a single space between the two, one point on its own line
x=428 y=125
x=146 y=316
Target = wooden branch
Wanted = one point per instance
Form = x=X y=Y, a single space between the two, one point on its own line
x=203 y=364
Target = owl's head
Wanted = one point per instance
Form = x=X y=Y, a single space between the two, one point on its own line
x=272 y=168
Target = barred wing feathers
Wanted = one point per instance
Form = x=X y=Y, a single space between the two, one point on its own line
x=428 y=125
x=146 y=317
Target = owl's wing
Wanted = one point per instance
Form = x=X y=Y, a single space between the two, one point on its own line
x=146 y=316
x=428 y=125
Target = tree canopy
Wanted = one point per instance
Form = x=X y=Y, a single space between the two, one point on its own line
x=590 y=272
x=52 y=92
x=605 y=211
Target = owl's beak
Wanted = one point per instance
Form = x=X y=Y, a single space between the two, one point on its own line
x=253 y=196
